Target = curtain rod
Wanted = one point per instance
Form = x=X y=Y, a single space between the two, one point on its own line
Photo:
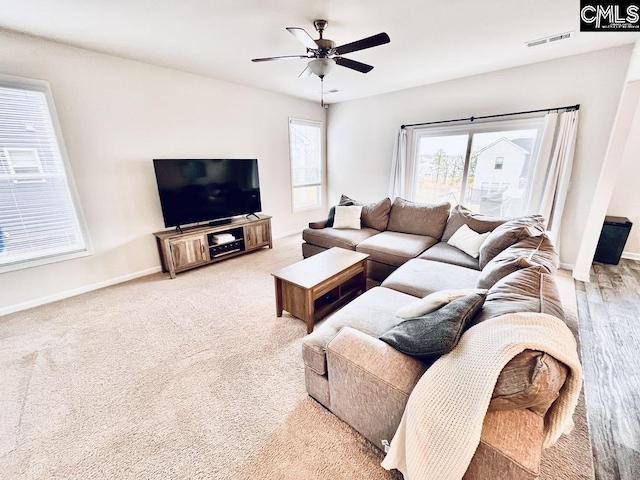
x=471 y=119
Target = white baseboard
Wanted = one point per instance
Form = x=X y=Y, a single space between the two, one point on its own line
x=567 y=266
x=77 y=291
x=631 y=256
x=288 y=234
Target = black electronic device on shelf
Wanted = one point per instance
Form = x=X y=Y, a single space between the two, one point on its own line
x=203 y=190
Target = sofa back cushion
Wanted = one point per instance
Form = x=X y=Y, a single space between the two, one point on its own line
x=531 y=289
x=475 y=221
x=418 y=218
x=529 y=252
x=509 y=233
x=374 y=215
x=532 y=379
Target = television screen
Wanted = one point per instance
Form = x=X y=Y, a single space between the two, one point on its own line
x=200 y=190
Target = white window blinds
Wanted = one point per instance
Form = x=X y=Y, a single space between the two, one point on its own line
x=305 y=150
x=38 y=219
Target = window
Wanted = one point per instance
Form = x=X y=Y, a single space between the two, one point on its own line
x=485 y=166
x=305 y=152
x=39 y=219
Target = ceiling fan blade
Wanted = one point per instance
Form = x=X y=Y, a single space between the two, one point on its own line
x=369 y=42
x=286 y=57
x=353 y=65
x=305 y=73
x=302 y=35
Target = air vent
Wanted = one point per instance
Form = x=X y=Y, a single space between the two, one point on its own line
x=561 y=36
x=552 y=38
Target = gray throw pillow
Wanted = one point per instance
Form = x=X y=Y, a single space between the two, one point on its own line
x=435 y=333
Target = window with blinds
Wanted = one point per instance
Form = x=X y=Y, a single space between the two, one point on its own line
x=305 y=152
x=38 y=216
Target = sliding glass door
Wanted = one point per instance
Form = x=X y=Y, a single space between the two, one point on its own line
x=486 y=167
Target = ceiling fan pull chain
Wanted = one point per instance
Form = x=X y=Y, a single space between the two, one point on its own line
x=322 y=91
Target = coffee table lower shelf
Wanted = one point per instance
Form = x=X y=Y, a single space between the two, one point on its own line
x=311 y=303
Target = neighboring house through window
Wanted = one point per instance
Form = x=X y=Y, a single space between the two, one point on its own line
x=484 y=166
x=305 y=152
x=40 y=221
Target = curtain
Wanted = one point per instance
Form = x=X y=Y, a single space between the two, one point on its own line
x=553 y=170
x=398 y=165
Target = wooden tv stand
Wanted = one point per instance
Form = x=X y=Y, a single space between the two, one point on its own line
x=195 y=246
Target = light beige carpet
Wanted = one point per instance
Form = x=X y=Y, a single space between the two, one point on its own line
x=192 y=378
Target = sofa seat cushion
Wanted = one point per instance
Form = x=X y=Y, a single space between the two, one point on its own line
x=331 y=237
x=418 y=218
x=371 y=313
x=526 y=290
x=420 y=277
x=394 y=248
x=443 y=252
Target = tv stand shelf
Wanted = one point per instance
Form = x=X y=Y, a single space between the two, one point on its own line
x=195 y=246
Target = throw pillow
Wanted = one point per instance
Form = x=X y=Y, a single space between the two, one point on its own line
x=433 y=302
x=532 y=251
x=374 y=215
x=347 y=217
x=435 y=333
x=509 y=233
x=418 y=218
x=468 y=241
x=332 y=212
x=476 y=221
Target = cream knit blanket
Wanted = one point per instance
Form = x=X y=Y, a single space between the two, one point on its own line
x=441 y=425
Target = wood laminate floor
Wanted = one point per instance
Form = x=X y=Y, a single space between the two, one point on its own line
x=609 y=322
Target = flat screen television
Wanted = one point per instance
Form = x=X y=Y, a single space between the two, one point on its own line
x=199 y=190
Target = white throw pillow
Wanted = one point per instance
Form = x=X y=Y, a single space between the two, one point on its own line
x=468 y=240
x=347 y=217
x=434 y=301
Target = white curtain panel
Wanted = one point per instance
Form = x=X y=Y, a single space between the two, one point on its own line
x=553 y=170
x=399 y=165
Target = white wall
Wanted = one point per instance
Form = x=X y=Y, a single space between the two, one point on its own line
x=117 y=115
x=625 y=199
x=361 y=133
x=623 y=147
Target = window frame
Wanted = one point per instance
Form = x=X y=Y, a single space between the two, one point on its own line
x=315 y=123
x=470 y=129
x=23 y=83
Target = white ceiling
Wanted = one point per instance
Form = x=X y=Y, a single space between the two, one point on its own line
x=431 y=40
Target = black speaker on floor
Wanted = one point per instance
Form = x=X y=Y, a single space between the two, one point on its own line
x=615 y=232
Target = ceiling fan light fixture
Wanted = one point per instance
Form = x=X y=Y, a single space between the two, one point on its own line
x=321 y=66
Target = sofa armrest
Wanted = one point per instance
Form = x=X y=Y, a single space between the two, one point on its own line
x=318 y=225
x=530 y=380
x=378 y=359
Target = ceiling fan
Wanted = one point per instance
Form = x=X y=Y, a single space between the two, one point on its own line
x=323 y=53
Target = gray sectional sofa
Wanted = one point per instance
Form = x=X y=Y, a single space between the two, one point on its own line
x=366 y=383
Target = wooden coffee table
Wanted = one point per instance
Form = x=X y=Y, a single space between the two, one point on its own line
x=318 y=285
